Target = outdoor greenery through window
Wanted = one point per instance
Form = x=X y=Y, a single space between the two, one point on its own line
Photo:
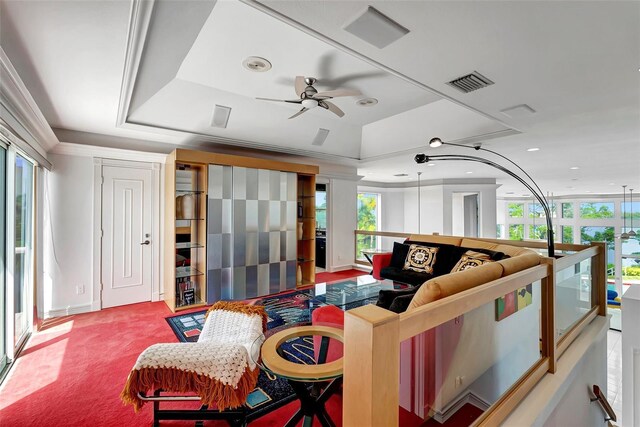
x=516 y=210
x=321 y=210
x=536 y=211
x=567 y=233
x=596 y=210
x=567 y=210
x=516 y=231
x=368 y=219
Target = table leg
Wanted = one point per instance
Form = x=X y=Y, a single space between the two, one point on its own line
x=370 y=261
x=311 y=406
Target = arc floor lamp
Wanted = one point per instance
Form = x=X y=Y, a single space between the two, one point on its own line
x=529 y=182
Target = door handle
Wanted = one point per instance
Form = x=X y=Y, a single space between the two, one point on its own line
x=146 y=242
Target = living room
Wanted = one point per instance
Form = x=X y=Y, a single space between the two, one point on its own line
x=339 y=98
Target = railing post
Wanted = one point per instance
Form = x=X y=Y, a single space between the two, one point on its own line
x=549 y=335
x=599 y=278
x=371 y=367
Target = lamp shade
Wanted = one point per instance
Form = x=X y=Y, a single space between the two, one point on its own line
x=435 y=142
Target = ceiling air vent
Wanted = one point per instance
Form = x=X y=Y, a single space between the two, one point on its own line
x=470 y=82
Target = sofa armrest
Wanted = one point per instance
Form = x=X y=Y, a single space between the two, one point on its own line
x=380 y=261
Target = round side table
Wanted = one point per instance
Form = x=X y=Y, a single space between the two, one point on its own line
x=300 y=375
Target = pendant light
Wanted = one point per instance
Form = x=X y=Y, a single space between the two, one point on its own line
x=631 y=233
x=624 y=235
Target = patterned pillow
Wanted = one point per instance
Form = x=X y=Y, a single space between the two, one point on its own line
x=421 y=259
x=471 y=259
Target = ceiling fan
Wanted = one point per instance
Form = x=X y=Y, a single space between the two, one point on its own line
x=311 y=98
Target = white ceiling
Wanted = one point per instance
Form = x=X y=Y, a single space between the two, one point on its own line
x=576 y=63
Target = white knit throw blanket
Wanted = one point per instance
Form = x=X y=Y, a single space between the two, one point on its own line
x=222 y=351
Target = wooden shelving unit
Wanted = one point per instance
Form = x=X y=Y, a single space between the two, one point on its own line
x=186 y=238
x=307 y=215
x=185 y=234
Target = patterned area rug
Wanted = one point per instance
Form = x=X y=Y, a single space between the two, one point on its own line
x=284 y=311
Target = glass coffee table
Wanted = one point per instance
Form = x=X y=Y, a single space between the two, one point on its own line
x=353 y=292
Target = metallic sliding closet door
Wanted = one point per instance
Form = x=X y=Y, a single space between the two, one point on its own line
x=255 y=249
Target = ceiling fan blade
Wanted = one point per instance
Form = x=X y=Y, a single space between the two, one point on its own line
x=331 y=107
x=300 y=85
x=292 y=101
x=299 y=112
x=338 y=92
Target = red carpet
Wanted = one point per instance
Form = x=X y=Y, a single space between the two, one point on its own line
x=73 y=370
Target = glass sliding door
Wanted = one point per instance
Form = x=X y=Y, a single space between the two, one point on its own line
x=22 y=265
x=3 y=292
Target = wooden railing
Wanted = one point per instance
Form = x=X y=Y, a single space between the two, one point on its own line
x=373 y=336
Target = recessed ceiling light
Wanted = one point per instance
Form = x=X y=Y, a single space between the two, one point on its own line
x=468 y=172
x=574 y=179
x=401 y=174
x=573 y=168
x=257 y=64
x=367 y=102
x=571 y=188
x=533 y=149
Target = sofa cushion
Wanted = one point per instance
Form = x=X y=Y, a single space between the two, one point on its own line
x=421 y=258
x=399 y=255
x=435 y=238
x=449 y=284
x=386 y=296
x=471 y=259
x=518 y=263
x=405 y=276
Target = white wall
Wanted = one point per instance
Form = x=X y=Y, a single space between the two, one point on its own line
x=68 y=234
x=431 y=210
x=342 y=223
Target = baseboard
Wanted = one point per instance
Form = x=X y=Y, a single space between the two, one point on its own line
x=453 y=407
x=340 y=268
x=76 y=309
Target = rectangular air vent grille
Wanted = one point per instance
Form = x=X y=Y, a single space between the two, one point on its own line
x=470 y=82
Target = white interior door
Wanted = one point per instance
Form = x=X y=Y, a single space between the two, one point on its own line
x=126 y=240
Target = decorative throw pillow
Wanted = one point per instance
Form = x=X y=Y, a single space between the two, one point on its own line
x=471 y=259
x=421 y=259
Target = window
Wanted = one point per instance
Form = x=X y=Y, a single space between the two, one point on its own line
x=596 y=234
x=516 y=210
x=626 y=212
x=536 y=210
x=538 y=232
x=516 y=231
x=368 y=219
x=321 y=207
x=499 y=228
x=567 y=210
x=596 y=210
x=567 y=233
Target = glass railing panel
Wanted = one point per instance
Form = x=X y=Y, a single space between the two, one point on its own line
x=470 y=362
x=573 y=295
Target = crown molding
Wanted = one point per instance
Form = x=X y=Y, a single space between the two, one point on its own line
x=22 y=109
x=94 y=151
x=139 y=19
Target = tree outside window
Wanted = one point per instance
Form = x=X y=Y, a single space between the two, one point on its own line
x=516 y=210
x=567 y=233
x=567 y=210
x=516 y=231
x=596 y=210
x=368 y=206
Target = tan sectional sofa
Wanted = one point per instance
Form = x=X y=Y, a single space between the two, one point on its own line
x=452 y=283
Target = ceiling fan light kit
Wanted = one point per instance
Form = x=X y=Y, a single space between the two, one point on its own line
x=310 y=97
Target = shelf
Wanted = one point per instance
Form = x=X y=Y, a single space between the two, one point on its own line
x=189 y=219
x=189 y=191
x=302 y=260
x=189 y=271
x=186 y=307
x=306 y=217
x=305 y=197
x=306 y=239
x=188 y=245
